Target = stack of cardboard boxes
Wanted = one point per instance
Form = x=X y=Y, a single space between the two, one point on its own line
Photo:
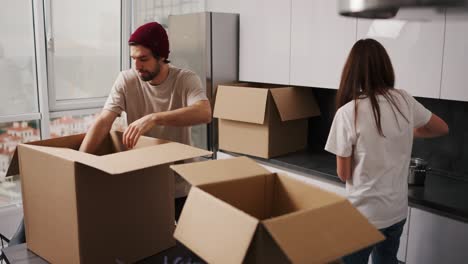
x=118 y=205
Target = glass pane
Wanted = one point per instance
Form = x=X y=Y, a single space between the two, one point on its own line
x=86 y=48
x=17 y=59
x=10 y=191
x=12 y=134
x=77 y=124
x=159 y=10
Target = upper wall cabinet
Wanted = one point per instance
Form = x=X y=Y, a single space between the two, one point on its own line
x=455 y=69
x=320 y=42
x=264 y=41
x=415 y=46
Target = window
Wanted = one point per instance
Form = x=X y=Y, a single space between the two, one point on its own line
x=159 y=10
x=77 y=122
x=84 y=51
x=10 y=191
x=12 y=134
x=18 y=88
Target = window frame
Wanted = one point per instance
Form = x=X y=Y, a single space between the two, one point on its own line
x=81 y=103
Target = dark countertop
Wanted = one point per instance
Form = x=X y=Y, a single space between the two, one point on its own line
x=443 y=193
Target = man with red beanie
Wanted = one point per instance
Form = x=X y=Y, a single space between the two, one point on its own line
x=159 y=99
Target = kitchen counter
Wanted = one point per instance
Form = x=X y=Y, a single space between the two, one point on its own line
x=443 y=194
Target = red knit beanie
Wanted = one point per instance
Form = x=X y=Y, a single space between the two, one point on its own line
x=152 y=36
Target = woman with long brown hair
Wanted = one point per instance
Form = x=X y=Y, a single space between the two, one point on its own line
x=372 y=136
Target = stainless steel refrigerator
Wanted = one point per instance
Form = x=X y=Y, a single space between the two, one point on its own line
x=208 y=44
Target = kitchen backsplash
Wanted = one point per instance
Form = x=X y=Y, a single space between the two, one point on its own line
x=448 y=153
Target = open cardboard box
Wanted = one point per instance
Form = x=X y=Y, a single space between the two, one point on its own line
x=237 y=211
x=263 y=120
x=83 y=208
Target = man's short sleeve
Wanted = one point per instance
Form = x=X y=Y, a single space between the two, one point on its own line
x=116 y=100
x=341 y=137
x=194 y=89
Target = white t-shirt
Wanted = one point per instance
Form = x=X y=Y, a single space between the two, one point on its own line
x=378 y=187
x=138 y=98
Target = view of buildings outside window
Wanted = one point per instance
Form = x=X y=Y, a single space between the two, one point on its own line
x=70 y=125
x=12 y=134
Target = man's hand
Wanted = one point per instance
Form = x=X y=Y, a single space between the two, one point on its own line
x=198 y=113
x=136 y=129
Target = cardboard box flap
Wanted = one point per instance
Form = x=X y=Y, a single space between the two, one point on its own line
x=337 y=230
x=206 y=226
x=201 y=173
x=73 y=141
x=64 y=153
x=146 y=157
x=13 y=168
x=122 y=162
x=241 y=104
x=295 y=103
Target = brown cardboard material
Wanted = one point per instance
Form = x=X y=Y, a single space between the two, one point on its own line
x=83 y=208
x=263 y=120
x=237 y=212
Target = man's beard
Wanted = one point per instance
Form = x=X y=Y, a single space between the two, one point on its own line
x=148 y=76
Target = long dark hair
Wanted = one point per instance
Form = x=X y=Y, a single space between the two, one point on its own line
x=368 y=72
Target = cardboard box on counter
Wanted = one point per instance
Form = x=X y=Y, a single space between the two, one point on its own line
x=84 y=208
x=237 y=211
x=263 y=120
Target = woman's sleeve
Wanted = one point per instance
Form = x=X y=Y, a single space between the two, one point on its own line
x=421 y=114
x=342 y=135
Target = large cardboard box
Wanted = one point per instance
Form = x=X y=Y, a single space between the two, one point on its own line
x=83 y=208
x=237 y=211
x=263 y=120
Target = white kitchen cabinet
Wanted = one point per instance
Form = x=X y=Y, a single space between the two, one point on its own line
x=264 y=41
x=455 y=67
x=401 y=254
x=320 y=42
x=436 y=239
x=415 y=46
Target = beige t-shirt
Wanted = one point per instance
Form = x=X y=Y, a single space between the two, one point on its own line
x=138 y=98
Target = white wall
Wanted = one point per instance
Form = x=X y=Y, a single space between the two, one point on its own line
x=223 y=6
